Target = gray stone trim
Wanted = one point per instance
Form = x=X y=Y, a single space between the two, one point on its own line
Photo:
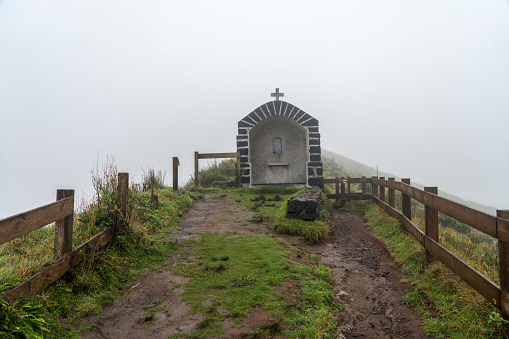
x=255 y=113
x=281 y=108
x=286 y=108
x=249 y=117
x=254 y=117
x=304 y=116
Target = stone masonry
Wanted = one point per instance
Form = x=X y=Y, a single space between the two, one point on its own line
x=314 y=175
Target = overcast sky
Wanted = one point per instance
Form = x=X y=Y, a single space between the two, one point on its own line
x=419 y=88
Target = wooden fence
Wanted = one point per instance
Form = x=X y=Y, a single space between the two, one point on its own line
x=198 y=156
x=61 y=212
x=495 y=226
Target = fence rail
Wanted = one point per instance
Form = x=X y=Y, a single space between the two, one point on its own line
x=198 y=156
x=495 y=226
x=61 y=212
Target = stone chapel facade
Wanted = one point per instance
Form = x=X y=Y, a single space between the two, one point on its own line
x=279 y=144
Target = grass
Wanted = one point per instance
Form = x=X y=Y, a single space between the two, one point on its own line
x=235 y=273
x=238 y=274
x=269 y=206
x=223 y=171
x=101 y=274
x=449 y=307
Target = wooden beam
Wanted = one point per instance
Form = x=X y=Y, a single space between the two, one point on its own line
x=406 y=202
x=49 y=275
x=489 y=290
x=63 y=228
x=218 y=155
x=123 y=194
x=481 y=221
x=196 y=181
x=176 y=165
x=430 y=221
x=26 y=222
x=382 y=188
x=392 y=195
x=351 y=196
x=503 y=256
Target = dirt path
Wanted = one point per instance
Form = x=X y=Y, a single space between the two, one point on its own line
x=366 y=282
x=367 y=286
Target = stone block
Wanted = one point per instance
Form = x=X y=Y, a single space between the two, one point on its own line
x=315 y=149
x=318 y=182
x=306 y=205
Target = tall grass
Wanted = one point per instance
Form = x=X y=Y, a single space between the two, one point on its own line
x=102 y=272
x=151 y=178
x=217 y=171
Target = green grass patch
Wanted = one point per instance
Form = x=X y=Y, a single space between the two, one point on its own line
x=449 y=307
x=251 y=267
x=312 y=231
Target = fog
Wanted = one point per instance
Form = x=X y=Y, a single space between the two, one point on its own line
x=419 y=88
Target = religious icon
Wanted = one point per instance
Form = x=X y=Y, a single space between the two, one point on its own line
x=277 y=143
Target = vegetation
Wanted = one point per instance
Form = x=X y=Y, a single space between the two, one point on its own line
x=239 y=273
x=223 y=171
x=101 y=274
x=449 y=307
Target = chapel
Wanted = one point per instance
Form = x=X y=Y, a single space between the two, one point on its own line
x=279 y=144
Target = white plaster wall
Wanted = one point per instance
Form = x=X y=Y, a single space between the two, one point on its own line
x=289 y=167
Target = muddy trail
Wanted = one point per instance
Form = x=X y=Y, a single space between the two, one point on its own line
x=366 y=283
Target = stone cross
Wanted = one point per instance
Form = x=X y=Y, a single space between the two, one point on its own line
x=277 y=94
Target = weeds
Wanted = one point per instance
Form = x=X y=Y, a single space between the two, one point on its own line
x=152 y=179
x=101 y=273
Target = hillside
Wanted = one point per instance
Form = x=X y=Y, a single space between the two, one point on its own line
x=355 y=168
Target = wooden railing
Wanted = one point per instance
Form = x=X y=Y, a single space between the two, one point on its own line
x=61 y=212
x=198 y=156
x=495 y=226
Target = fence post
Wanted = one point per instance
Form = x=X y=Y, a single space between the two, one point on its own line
x=382 y=190
x=63 y=228
x=363 y=185
x=431 y=221
x=375 y=187
x=392 y=195
x=336 y=183
x=123 y=191
x=196 y=181
x=342 y=191
x=503 y=255
x=176 y=165
x=348 y=186
x=406 y=203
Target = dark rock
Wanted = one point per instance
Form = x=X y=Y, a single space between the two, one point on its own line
x=306 y=205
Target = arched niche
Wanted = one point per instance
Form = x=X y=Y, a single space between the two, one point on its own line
x=268 y=166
